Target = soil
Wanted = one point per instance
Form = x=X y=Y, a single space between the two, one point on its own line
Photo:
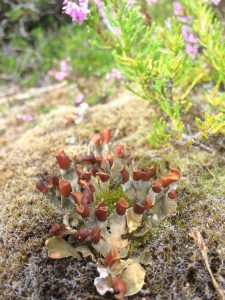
x=27 y=152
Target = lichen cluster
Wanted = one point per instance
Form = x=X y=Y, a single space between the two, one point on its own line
x=101 y=226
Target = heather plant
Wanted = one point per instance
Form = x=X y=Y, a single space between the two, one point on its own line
x=108 y=202
x=165 y=61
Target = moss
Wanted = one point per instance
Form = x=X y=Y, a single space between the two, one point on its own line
x=111 y=197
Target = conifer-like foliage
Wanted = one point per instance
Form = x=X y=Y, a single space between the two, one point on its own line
x=163 y=63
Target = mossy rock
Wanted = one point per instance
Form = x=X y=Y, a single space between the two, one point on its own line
x=177 y=270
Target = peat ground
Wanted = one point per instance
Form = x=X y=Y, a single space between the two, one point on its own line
x=177 y=270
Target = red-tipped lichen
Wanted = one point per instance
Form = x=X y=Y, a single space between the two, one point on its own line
x=53 y=181
x=105 y=136
x=65 y=187
x=125 y=175
x=157 y=186
x=112 y=257
x=63 y=160
x=119 y=151
x=101 y=213
x=95 y=234
x=119 y=287
x=96 y=138
x=103 y=176
x=41 y=186
x=82 y=235
x=138 y=208
x=172 y=176
x=148 y=202
x=121 y=206
x=83 y=210
x=172 y=194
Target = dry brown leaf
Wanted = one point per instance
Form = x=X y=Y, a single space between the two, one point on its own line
x=58 y=248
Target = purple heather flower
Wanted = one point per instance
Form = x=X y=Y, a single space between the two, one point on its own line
x=183 y=19
x=189 y=36
x=78 y=12
x=63 y=72
x=130 y=2
x=104 y=17
x=79 y=99
x=150 y=2
x=192 y=50
x=114 y=74
x=193 y=38
x=177 y=9
x=26 y=118
x=215 y=2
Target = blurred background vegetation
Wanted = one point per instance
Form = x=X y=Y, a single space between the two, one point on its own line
x=35 y=36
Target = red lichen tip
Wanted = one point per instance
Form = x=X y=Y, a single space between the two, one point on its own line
x=65 y=187
x=57 y=230
x=81 y=235
x=137 y=174
x=101 y=203
x=148 y=173
x=148 y=202
x=87 y=197
x=121 y=206
x=63 y=160
x=95 y=140
x=111 y=257
x=125 y=175
x=105 y=136
x=172 y=194
x=41 y=186
x=69 y=120
x=119 y=287
x=103 y=176
x=170 y=177
x=138 y=208
x=157 y=185
x=95 y=234
x=83 y=210
x=53 y=181
x=101 y=213
x=143 y=175
x=91 y=159
x=86 y=176
x=119 y=151
x=76 y=197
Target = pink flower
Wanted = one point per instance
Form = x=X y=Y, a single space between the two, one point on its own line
x=78 y=13
x=215 y=2
x=189 y=36
x=130 y=2
x=26 y=118
x=63 y=72
x=79 y=99
x=150 y=2
x=104 y=17
x=114 y=74
x=192 y=50
x=177 y=9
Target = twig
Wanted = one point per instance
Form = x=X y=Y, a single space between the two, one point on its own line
x=32 y=93
x=196 y=235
